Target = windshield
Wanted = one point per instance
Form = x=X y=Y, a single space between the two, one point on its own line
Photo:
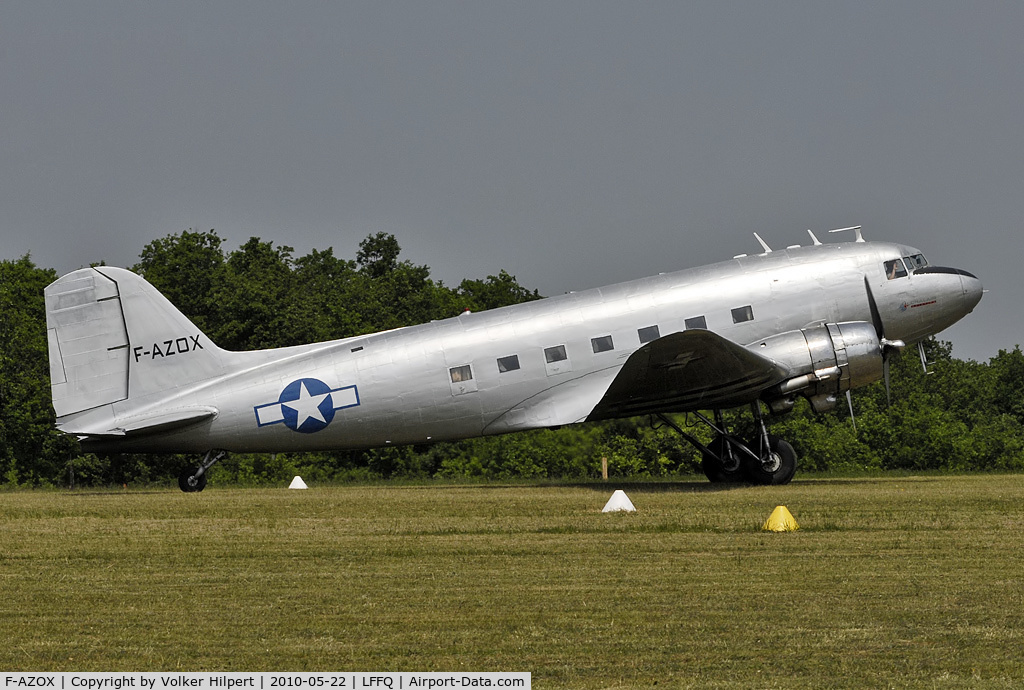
x=915 y=261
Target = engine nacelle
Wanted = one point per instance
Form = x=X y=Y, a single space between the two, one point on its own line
x=824 y=361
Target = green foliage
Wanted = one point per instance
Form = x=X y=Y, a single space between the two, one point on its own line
x=568 y=452
x=1008 y=372
x=496 y=291
x=189 y=270
x=337 y=285
x=392 y=293
x=32 y=451
x=378 y=255
x=636 y=448
x=952 y=419
x=258 y=303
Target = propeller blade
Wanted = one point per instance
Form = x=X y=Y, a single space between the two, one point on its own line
x=888 y=347
x=876 y=318
x=849 y=401
x=885 y=375
x=924 y=357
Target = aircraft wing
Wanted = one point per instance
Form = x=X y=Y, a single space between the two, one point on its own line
x=689 y=370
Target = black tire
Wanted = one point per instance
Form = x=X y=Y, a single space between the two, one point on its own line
x=713 y=468
x=189 y=483
x=778 y=468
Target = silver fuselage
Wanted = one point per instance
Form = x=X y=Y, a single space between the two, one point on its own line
x=411 y=385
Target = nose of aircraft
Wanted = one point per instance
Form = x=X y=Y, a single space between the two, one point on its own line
x=954 y=293
x=972 y=290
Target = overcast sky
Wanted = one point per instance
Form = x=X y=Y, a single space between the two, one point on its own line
x=573 y=144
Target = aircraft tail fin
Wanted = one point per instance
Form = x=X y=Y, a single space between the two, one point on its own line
x=112 y=336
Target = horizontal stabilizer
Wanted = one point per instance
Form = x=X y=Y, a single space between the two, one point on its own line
x=144 y=424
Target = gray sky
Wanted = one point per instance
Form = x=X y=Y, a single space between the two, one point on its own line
x=573 y=144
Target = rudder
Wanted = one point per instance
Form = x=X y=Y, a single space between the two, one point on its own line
x=87 y=340
x=112 y=336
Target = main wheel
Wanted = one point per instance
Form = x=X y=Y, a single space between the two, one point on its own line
x=776 y=467
x=189 y=482
x=717 y=466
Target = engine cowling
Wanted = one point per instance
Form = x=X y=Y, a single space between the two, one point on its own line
x=824 y=361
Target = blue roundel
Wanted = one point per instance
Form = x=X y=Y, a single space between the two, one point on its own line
x=306 y=405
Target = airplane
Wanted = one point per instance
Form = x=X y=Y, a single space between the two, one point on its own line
x=130 y=373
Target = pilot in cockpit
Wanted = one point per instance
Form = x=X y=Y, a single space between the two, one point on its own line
x=895 y=269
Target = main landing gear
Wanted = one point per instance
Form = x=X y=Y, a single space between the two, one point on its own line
x=191 y=481
x=727 y=459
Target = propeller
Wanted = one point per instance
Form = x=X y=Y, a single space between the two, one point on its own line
x=924 y=357
x=887 y=346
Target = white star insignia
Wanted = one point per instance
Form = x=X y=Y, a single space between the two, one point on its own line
x=307 y=406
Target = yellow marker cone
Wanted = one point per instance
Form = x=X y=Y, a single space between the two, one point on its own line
x=781 y=520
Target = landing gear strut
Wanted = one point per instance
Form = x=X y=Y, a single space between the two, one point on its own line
x=721 y=461
x=727 y=459
x=191 y=481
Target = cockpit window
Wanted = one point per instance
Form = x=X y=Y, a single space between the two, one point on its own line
x=895 y=269
x=915 y=262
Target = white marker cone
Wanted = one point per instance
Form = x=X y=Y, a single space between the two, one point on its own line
x=619 y=501
x=297 y=483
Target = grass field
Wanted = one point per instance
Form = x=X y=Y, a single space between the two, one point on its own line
x=905 y=581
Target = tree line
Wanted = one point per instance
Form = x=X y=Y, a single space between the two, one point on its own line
x=960 y=416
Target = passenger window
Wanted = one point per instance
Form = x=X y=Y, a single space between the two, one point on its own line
x=460 y=374
x=648 y=334
x=696 y=322
x=555 y=354
x=602 y=344
x=556 y=361
x=741 y=314
x=894 y=269
x=915 y=262
x=510 y=363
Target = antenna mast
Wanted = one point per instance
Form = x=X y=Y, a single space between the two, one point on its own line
x=856 y=230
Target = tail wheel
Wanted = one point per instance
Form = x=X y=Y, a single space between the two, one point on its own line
x=776 y=466
x=719 y=466
x=189 y=482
